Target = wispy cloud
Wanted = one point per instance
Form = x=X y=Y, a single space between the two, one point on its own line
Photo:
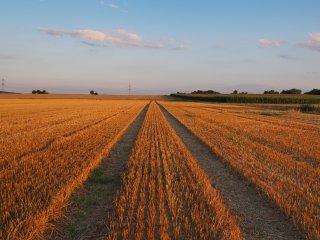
x=118 y=37
x=112 y=5
x=266 y=43
x=313 y=43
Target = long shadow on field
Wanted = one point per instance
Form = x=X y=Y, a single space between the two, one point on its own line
x=87 y=214
x=259 y=219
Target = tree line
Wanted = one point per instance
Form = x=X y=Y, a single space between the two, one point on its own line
x=289 y=91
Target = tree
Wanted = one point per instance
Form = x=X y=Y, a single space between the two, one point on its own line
x=313 y=92
x=291 y=91
x=271 y=92
x=93 y=92
x=235 y=92
x=39 y=92
x=205 y=92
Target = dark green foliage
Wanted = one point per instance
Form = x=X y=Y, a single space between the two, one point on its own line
x=205 y=92
x=39 y=92
x=309 y=109
x=313 y=92
x=291 y=91
x=271 y=92
x=97 y=176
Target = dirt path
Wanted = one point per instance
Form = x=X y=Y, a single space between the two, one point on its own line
x=259 y=219
x=87 y=214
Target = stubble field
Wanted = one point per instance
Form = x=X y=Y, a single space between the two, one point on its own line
x=50 y=147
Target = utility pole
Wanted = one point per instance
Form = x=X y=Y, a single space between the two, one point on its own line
x=3 y=84
x=129 y=89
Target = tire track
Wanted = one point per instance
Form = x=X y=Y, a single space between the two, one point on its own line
x=87 y=215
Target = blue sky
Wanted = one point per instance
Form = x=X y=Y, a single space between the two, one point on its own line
x=159 y=46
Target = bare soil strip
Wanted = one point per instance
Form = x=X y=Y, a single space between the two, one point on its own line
x=87 y=215
x=259 y=218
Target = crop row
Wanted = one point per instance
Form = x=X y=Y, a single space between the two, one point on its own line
x=295 y=99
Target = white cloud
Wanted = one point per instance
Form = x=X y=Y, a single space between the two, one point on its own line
x=313 y=43
x=111 y=5
x=119 y=37
x=265 y=43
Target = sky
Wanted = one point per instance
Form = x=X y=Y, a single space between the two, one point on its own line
x=159 y=47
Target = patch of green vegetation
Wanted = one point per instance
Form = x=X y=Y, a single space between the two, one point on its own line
x=117 y=180
x=72 y=232
x=84 y=201
x=88 y=202
x=98 y=177
x=309 y=109
x=270 y=114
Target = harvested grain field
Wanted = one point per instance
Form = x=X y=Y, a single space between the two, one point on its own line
x=279 y=156
x=48 y=148
x=165 y=193
x=135 y=169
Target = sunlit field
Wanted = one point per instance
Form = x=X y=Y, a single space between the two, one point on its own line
x=49 y=148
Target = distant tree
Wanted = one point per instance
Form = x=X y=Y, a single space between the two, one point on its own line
x=39 y=92
x=212 y=92
x=235 y=92
x=291 y=91
x=271 y=92
x=243 y=93
x=313 y=92
x=92 y=92
x=205 y=92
